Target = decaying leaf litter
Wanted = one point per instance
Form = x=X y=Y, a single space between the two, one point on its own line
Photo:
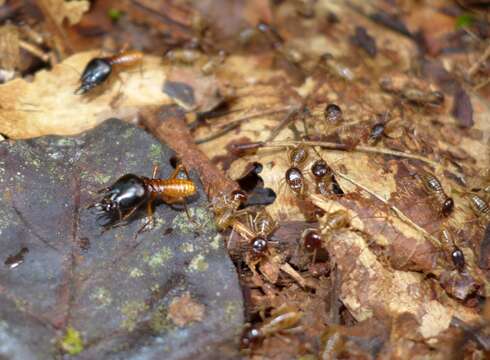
x=385 y=283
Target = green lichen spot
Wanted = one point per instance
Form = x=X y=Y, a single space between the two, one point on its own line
x=72 y=343
x=101 y=296
x=101 y=178
x=135 y=273
x=232 y=309
x=186 y=247
x=159 y=321
x=155 y=152
x=131 y=310
x=199 y=215
x=159 y=258
x=216 y=242
x=198 y=263
x=65 y=142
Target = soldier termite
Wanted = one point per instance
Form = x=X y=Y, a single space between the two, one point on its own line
x=130 y=192
x=434 y=188
x=99 y=69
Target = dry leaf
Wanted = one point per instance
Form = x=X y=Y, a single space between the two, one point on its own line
x=71 y=10
x=9 y=47
x=48 y=105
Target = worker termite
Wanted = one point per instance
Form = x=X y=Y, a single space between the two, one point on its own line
x=312 y=239
x=323 y=175
x=226 y=207
x=454 y=252
x=257 y=230
x=130 y=192
x=184 y=56
x=333 y=114
x=263 y=226
x=282 y=320
x=434 y=188
x=415 y=91
x=336 y=220
x=98 y=69
x=479 y=205
x=294 y=175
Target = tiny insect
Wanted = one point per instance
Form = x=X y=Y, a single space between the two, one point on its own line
x=449 y=245
x=298 y=155
x=263 y=226
x=184 y=56
x=333 y=114
x=335 y=221
x=479 y=205
x=434 y=188
x=433 y=98
x=323 y=175
x=294 y=175
x=457 y=257
x=226 y=207
x=282 y=320
x=98 y=70
x=295 y=180
x=377 y=131
x=130 y=192
x=415 y=91
x=257 y=230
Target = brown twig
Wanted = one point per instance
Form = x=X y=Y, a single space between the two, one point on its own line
x=168 y=124
x=474 y=68
x=34 y=50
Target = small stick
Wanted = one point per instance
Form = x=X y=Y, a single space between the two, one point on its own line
x=288 y=269
x=34 y=50
x=474 y=68
x=289 y=116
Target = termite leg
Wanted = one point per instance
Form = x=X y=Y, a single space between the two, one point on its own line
x=155 y=171
x=178 y=169
x=150 y=221
x=189 y=215
x=131 y=212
